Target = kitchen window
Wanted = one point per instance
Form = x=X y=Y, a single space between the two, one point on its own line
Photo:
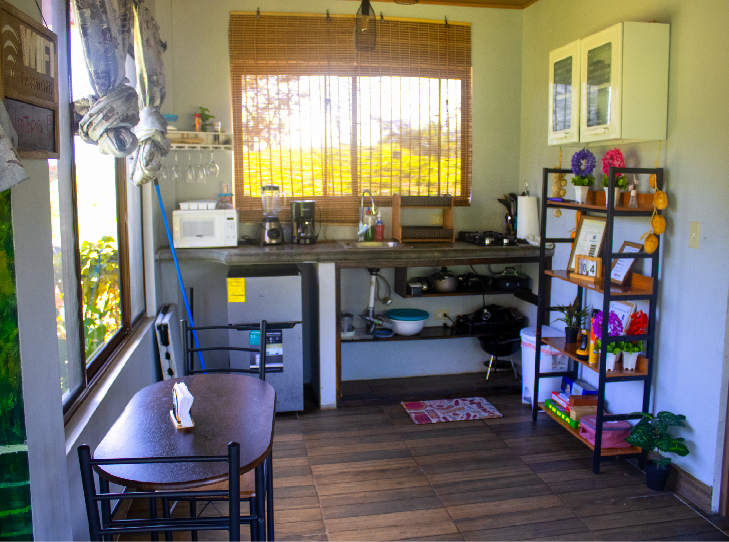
x=326 y=122
x=97 y=247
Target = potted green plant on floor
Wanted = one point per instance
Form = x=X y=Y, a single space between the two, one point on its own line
x=573 y=317
x=651 y=433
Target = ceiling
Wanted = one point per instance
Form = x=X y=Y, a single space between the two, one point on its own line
x=504 y=4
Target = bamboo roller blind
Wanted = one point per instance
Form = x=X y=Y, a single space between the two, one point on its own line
x=326 y=122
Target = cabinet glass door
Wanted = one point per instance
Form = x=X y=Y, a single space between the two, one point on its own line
x=564 y=77
x=601 y=83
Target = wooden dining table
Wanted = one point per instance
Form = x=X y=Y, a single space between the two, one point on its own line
x=226 y=408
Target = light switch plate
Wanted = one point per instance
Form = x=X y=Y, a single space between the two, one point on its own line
x=694 y=234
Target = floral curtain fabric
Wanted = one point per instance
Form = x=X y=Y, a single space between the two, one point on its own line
x=107 y=118
x=152 y=128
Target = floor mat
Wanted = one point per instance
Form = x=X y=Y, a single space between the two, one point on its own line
x=450 y=410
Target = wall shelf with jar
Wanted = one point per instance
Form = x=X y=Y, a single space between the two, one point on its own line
x=200 y=140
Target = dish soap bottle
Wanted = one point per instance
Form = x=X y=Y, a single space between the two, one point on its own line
x=379 y=228
x=369 y=220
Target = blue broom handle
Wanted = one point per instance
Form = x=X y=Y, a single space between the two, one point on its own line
x=179 y=276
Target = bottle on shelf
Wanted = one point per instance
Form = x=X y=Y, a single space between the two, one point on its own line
x=198 y=122
x=379 y=228
x=633 y=203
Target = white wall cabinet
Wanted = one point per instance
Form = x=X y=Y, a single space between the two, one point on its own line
x=623 y=73
x=564 y=94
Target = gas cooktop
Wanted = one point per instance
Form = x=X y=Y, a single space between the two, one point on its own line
x=486 y=238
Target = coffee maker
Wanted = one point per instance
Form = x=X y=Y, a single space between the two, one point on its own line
x=302 y=222
x=270 y=231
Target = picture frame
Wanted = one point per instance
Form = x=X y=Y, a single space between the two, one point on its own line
x=588 y=240
x=622 y=267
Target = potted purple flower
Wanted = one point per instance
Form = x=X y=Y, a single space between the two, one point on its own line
x=615 y=328
x=583 y=163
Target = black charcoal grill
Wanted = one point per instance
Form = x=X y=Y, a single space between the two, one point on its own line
x=498 y=329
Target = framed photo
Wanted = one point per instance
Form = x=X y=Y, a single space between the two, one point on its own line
x=588 y=241
x=620 y=270
x=623 y=310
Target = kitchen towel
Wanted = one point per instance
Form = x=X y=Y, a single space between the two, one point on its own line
x=450 y=410
x=527 y=217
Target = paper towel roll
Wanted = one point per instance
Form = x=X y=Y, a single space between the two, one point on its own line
x=527 y=222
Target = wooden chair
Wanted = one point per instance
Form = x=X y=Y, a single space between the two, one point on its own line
x=102 y=522
x=247 y=490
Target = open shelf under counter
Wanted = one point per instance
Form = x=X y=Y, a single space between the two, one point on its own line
x=604 y=452
x=570 y=349
x=427 y=333
x=640 y=285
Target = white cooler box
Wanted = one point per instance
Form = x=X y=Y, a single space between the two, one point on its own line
x=552 y=361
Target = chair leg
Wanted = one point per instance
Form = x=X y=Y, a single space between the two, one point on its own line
x=153 y=515
x=166 y=515
x=193 y=514
x=269 y=497
x=258 y=532
x=513 y=367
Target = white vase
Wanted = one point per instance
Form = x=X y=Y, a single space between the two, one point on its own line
x=630 y=360
x=617 y=197
x=581 y=193
x=610 y=360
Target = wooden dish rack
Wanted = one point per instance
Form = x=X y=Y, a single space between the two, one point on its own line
x=423 y=234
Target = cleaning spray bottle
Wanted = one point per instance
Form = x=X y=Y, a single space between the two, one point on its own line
x=379 y=228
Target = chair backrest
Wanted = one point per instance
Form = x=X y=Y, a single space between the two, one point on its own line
x=102 y=524
x=191 y=348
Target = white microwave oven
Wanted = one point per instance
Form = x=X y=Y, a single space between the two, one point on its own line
x=203 y=229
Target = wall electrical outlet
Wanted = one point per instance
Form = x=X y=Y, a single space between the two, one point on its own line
x=694 y=234
x=436 y=220
x=441 y=314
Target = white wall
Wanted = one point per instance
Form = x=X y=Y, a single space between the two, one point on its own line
x=133 y=370
x=692 y=307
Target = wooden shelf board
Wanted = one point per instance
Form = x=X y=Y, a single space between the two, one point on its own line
x=604 y=452
x=558 y=343
x=641 y=285
x=596 y=202
x=461 y=293
x=427 y=333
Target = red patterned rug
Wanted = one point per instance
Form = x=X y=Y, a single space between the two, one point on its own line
x=450 y=410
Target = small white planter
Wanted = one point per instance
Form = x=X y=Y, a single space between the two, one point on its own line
x=630 y=360
x=581 y=193
x=617 y=197
x=610 y=360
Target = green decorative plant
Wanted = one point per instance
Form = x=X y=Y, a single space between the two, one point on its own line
x=572 y=316
x=620 y=182
x=205 y=116
x=651 y=433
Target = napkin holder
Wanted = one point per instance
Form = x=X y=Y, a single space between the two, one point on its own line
x=181 y=404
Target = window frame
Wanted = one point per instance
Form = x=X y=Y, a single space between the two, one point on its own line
x=92 y=370
x=344 y=207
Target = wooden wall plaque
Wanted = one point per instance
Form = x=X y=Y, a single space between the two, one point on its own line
x=29 y=82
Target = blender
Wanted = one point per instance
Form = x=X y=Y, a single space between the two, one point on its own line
x=270 y=231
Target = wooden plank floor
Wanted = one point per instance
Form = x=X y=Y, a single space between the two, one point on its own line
x=369 y=473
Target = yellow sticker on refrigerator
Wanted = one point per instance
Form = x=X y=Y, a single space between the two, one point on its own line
x=236 y=290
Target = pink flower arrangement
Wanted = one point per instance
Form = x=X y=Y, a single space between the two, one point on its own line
x=615 y=158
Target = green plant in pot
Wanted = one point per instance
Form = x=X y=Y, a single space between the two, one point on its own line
x=573 y=317
x=651 y=433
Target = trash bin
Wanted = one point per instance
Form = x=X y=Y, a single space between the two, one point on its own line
x=552 y=361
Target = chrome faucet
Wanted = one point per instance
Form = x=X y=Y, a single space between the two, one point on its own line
x=362 y=226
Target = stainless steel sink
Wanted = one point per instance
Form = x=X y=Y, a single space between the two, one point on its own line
x=372 y=244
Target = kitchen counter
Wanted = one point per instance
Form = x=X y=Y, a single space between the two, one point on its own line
x=410 y=255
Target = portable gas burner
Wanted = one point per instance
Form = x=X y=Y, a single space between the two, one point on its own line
x=486 y=238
